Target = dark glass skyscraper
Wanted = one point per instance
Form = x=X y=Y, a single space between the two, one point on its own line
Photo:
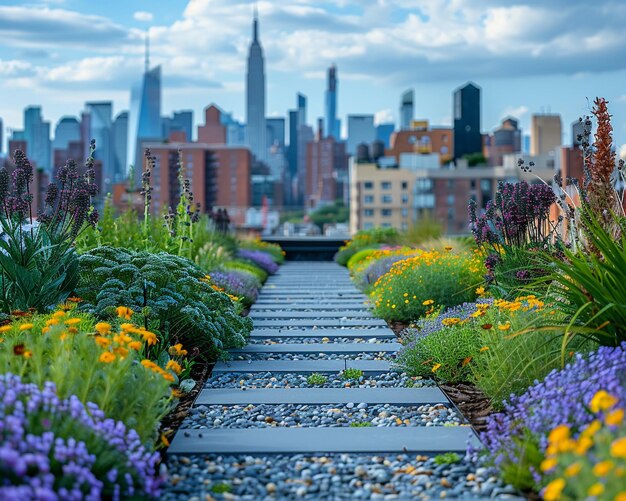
x=466 y=112
x=255 y=96
x=406 y=109
x=332 y=124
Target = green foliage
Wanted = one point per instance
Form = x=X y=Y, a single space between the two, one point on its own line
x=330 y=214
x=38 y=270
x=520 y=268
x=351 y=373
x=445 y=278
x=359 y=257
x=447 y=458
x=274 y=250
x=168 y=294
x=422 y=231
x=221 y=488
x=240 y=265
x=361 y=424
x=316 y=379
x=123 y=389
x=366 y=239
x=590 y=288
x=475 y=159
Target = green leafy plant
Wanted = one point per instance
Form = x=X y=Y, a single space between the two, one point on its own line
x=239 y=265
x=221 y=488
x=65 y=348
x=366 y=239
x=447 y=458
x=351 y=373
x=316 y=379
x=38 y=263
x=167 y=293
x=360 y=424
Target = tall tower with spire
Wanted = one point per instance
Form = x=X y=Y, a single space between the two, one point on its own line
x=332 y=123
x=255 y=95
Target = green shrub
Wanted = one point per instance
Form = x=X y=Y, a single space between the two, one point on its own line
x=447 y=458
x=422 y=231
x=168 y=294
x=359 y=257
x=62 y=348
x=366 y=239
x=239 y=265
x=406 y=292
x=316 y=379
x=351 y=373
x=361 y=424
x=274 y=250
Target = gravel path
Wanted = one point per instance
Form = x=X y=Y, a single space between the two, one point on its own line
x=315 y=356
x=298 y=415
x=325 y=340
x=331 y=477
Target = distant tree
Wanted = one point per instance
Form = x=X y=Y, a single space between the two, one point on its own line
x=475 y=159
x=330 y=214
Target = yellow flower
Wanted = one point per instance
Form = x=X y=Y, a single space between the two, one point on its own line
x=450 y=321
x=26 y=327
x=174 y=366
x=124 y=312
x=480 y=291
x=28 y=354
x=102 y=341
x=164 y=440
x=554 y=489
x=103 y=328
x=592 y=429
x=548 y=464
x=618 y=448
x=603 y=468
x=484 y=348
x=596 y=489
x=168 y=377
x=73 y=321
x=583 y=445
x=428 y=302
x=436 y=367
x=135 y=345
x=621 y=496
x=602 y=401
x=107 y=357
x=121 y=351
x=573 y=469
x=177 y=349
x=148 y=337
x=6 y=328
x=127 y=327
x=559 y=434
x=45 y=330
x=52 y=321
x=614 y=418
x=504 y=327
x=58 y=314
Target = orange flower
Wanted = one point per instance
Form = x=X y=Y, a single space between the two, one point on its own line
x=107 y=357
x=103 y=328
x=124 y=312
x=174 y=366
x=135 y=345
x=26 y=327
x=102 y=341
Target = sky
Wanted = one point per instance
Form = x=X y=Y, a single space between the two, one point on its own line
x=528 y=56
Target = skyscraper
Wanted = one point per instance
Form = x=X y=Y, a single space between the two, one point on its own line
x=144 y=120
x=466 y=113
x=332 y=124
x=101 y=129
x=255 y=96
x=37 y=137
x=66 y=130
x=545 y=134
x=275 y=132
x=360 y=130
x=180 y=121
x=120 y=146
x=406 y=109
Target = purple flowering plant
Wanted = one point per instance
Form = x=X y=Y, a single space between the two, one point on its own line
x=238 y=283
x=517 y=437
x=38 y=264
x=261 y=259
x=53 y=448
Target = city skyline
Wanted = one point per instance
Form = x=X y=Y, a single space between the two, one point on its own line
x=102 y=56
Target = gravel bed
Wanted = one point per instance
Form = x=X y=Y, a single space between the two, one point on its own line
x=332 y=477
x=314 y=356
x=294 y=380
x=323 y=340
x=308 y=416
x=286 y=327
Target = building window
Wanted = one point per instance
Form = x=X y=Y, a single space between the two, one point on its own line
x=450 y=214
x=368 y=212
x=386 y=199
x=405 y=212
x=386 y=225
x=473 y=184
x=368 y=185
x=444 y=150
x=386 y=212
x=405 y=185
x=485 y=185
x=450 y=184
x=368 y=199
x=405 y=198
x=368 y=226
x=450 y=199
x=424 y=185
x=385 y=185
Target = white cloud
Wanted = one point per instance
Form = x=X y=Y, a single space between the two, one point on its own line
x=515 y=111
x=384 y=116
x=143 y=16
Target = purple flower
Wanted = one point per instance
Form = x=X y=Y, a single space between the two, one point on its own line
x=52 y=448
x=238 y=283
x=262 y=259
x=561 y=398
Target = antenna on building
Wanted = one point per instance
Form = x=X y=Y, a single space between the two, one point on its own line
x=147 y=50
x=255 y=24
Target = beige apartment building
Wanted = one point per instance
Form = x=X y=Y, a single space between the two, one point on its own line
x=545 y=134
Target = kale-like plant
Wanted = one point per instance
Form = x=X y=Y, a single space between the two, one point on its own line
x=167 y=293
x=39 y=267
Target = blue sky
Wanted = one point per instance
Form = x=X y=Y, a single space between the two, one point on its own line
x=527 y=55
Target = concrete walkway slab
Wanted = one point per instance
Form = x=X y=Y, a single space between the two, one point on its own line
x=309 y=348
x=309 y=314
x=302 y=366
x=374 y=440
x=384 y=333
x=320 y=396
x=375 y=322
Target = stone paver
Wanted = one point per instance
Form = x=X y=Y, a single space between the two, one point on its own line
x=302 y=366
x=318 y=348
x=321 y=333
x=338 y=322
x=292 y=315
